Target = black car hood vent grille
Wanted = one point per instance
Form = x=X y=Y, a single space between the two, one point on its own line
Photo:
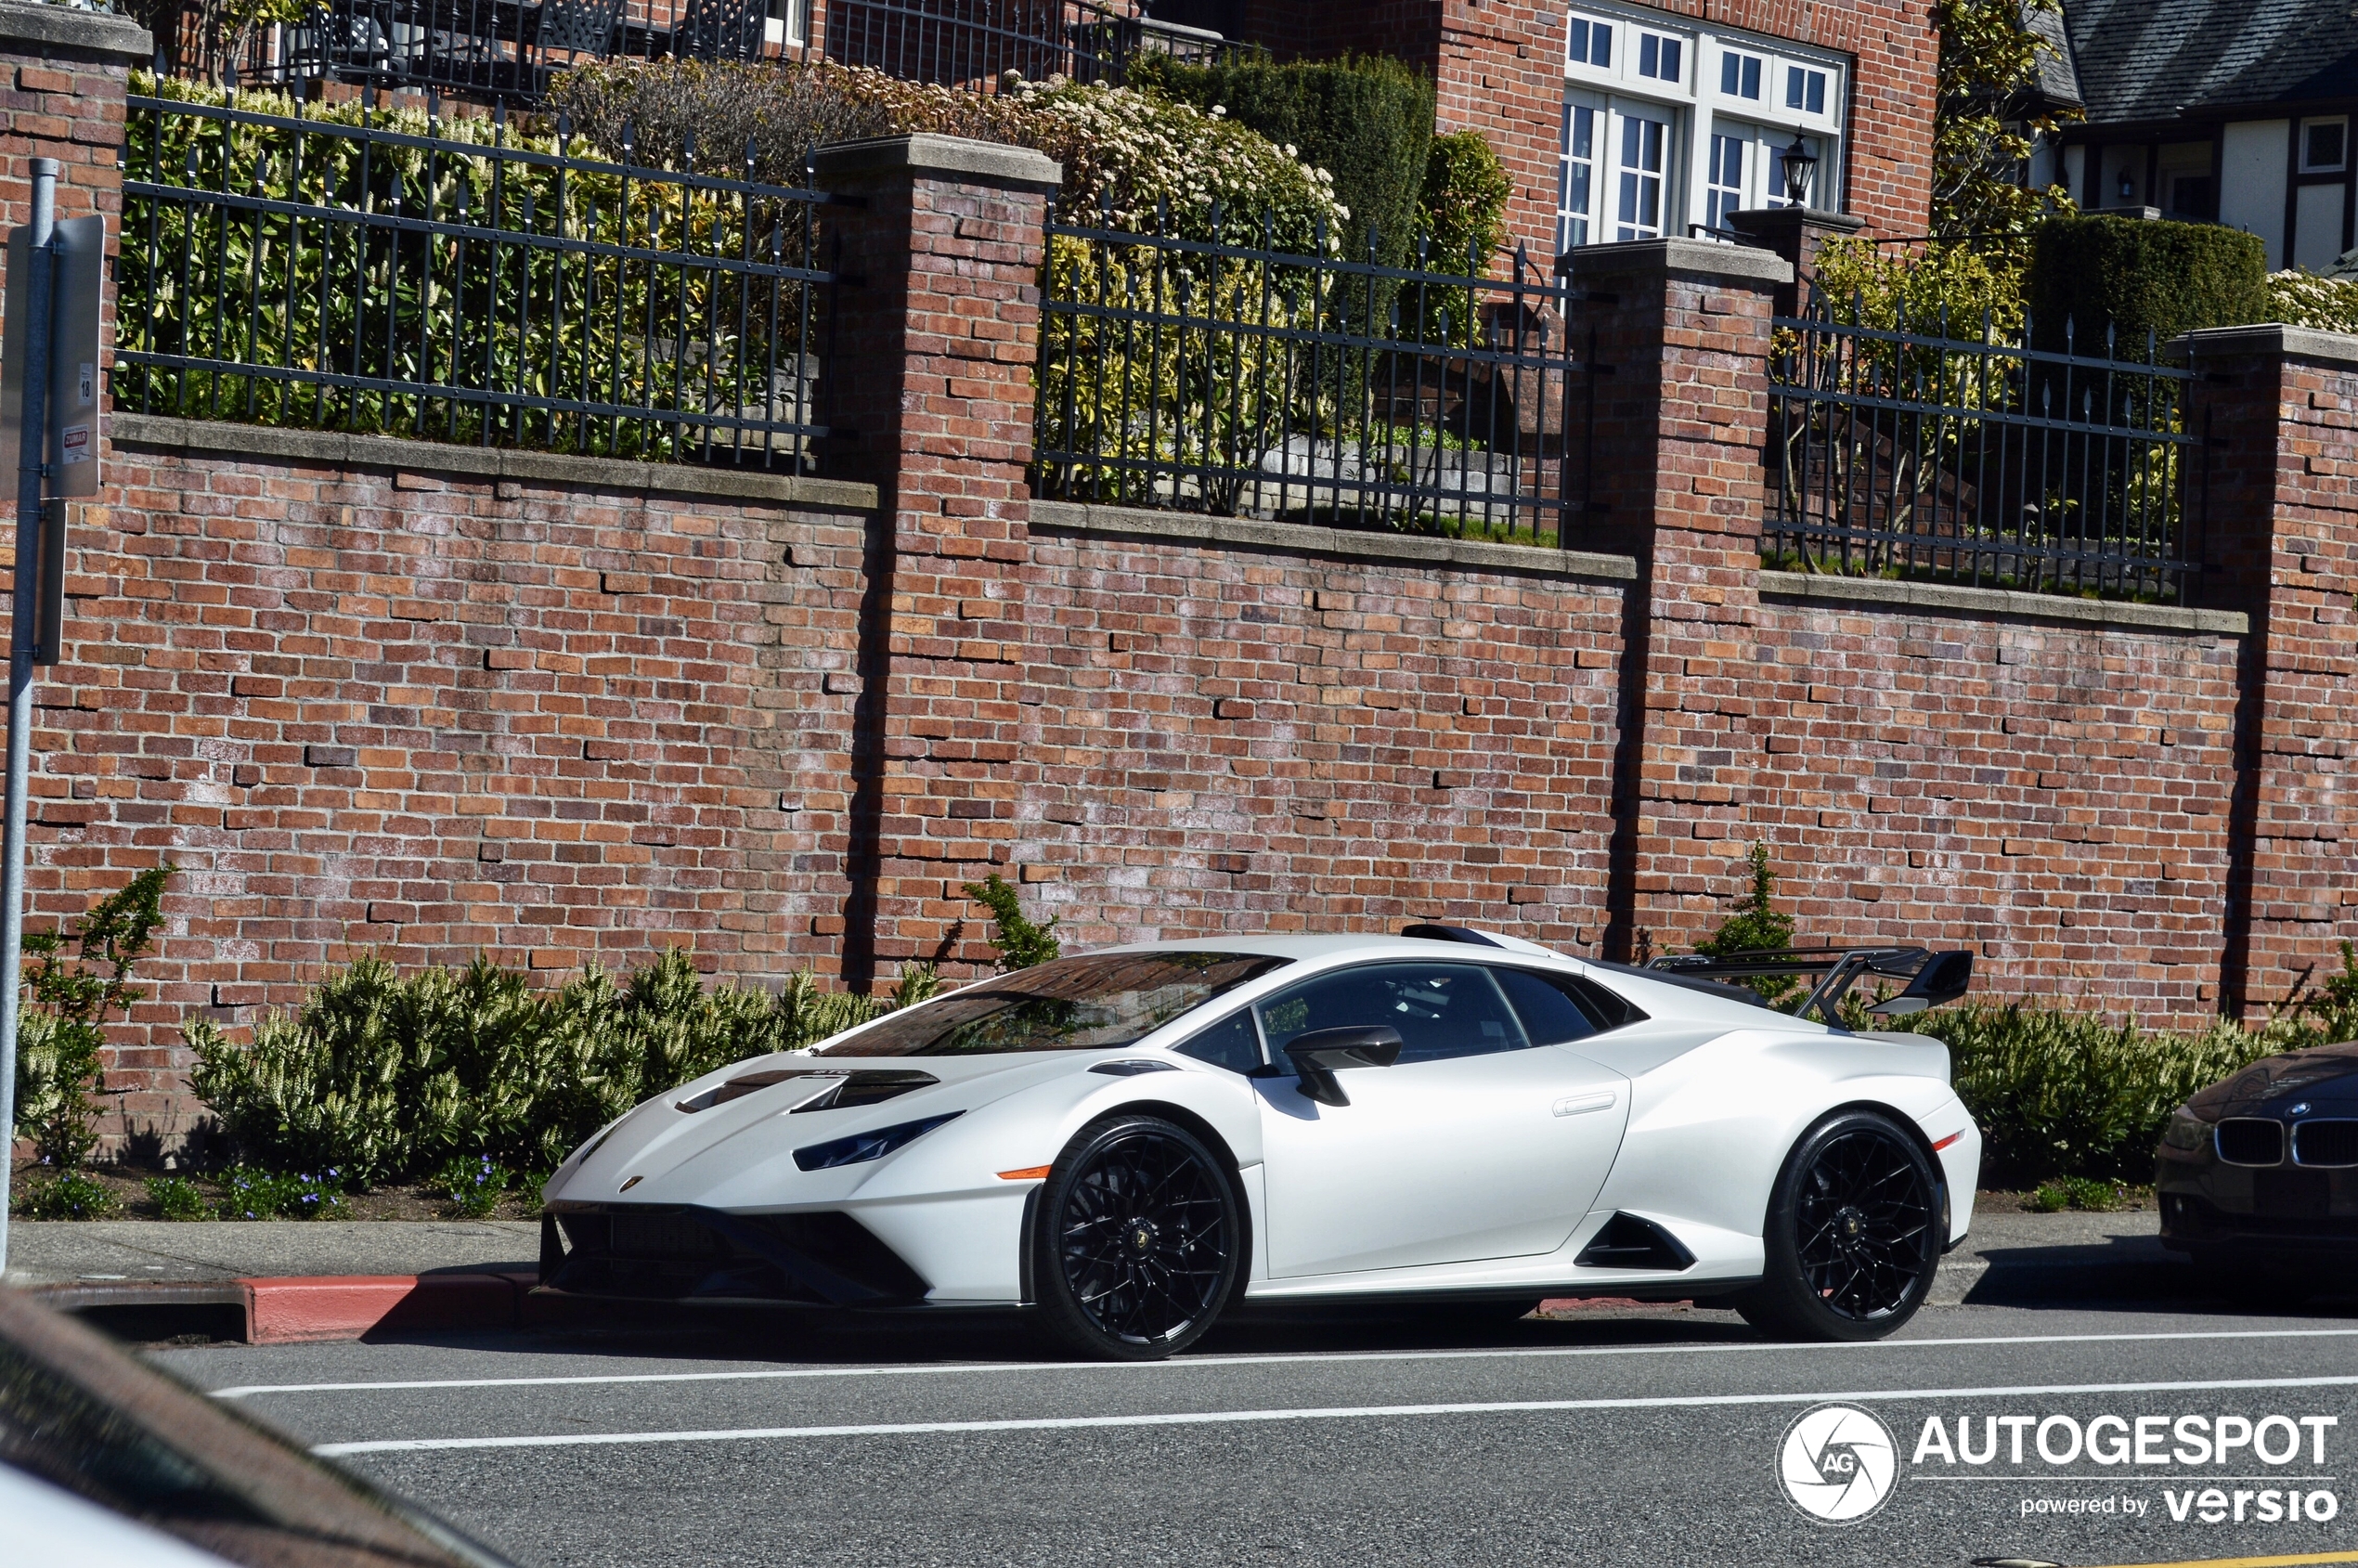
x=1630 y=1242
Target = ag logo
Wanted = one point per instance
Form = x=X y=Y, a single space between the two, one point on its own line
x=1837 y=1463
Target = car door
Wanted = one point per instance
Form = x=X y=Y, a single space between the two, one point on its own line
x=1476 y=1144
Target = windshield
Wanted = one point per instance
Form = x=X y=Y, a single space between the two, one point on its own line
x=1089 y=1004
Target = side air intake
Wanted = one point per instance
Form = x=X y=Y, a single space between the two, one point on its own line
x=1629 y=1242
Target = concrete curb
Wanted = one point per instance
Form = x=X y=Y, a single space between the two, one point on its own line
x=311 y=1309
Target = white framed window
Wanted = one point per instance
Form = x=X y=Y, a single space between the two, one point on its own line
x=784 y=23
x=2325 y=146
x=1806 y=89
x=1590 y=44
x=1577 y=183
x=1740 y=74
x=1660 y=58
x=1641 y=166
x=1724 y=184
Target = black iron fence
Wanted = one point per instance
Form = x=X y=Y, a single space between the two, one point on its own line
x=1918 y=452
x=1243 y=380
x=974 y=42
x=448 y=281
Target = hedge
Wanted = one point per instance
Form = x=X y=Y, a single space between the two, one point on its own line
x=1366 y=120
x=2138 y=277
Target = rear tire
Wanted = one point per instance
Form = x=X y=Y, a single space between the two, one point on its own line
x=1139 y=1240
x=1852 y=1239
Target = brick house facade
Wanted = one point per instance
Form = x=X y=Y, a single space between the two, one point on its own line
x=1672 y=113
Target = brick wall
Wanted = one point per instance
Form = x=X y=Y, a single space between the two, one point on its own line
x=1499 y=69
x=374 y=696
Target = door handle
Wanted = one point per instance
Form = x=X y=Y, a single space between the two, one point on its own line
x=1580 y=1104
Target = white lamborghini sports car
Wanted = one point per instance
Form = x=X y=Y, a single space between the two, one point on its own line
x=1131 y=1140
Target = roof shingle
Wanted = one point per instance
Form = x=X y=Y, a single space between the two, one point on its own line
x=2156 y=59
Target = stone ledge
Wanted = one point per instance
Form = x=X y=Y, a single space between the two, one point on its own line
x=64 y=27
x=924 y=153
x=209 y=438
x=2274 y=339
x=1298 y=538
x=1998 y=603
x=1676 y=255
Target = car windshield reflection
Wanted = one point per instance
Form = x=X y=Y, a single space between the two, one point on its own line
x=1097 y=1002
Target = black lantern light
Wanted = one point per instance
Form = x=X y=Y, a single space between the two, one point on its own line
x=1800 y=166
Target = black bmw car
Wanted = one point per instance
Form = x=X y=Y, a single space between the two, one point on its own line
x=2259 y=1174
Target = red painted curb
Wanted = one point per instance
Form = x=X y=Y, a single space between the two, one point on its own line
x=349 y=1306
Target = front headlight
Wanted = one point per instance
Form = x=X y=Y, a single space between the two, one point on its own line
x=2185 y=1131
x=863 y=1146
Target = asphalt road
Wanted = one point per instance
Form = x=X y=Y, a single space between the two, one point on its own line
x=1611 y=1438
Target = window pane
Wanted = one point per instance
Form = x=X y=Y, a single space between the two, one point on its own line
x=1084 y=1004
x=1599 y=45
x=1672 y=64
x=1576 y=47
x=1577 y=182
x=2325 y=146
x=1751 y=77
x=1730 y=72
x=1440 y=1010
x=1817 y=92
x=1231 y=1043
x=1549 y=1014
x=1649 y=54
x=1794 y=87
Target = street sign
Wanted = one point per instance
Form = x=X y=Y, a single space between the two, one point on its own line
x=74 y=392
x=72 y=407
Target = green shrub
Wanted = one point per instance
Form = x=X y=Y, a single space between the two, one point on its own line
x=177 y=1197
x=2134 y=277
x=2059 y=1093
x=2077 y=1192
x=380 y=1077
x=1019 y=942
x=1758 y=922
x=1366 y=119
x=61 y=1025
x=68 y=1195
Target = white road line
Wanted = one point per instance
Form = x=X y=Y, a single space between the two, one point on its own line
x=245 y=1391
x=1330 y=1413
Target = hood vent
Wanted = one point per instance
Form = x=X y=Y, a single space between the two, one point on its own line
x=1629 y=1242
x=844 y=1087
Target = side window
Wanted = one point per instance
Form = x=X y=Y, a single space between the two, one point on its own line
x=1551 y=1013
x=1440 y=1010
x=1557 y=1008
x=1231 y=1043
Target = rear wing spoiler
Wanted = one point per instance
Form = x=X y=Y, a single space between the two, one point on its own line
x=1933 y=978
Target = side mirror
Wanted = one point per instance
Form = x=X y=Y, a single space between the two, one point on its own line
x=1316 y=1054
x=1943 y=979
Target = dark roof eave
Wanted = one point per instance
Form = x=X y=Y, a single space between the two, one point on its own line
x=2204 y=116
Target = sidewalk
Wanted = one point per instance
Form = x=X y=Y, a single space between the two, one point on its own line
x=281 y=1280
x=278 y=1281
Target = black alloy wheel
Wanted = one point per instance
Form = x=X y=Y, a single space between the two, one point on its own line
x=1139 y=1238
x=1853 y=1236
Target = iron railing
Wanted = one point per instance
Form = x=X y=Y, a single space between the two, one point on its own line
x=974 y=42
x=1244 y=380
x=440 y=280
x=1923 y=452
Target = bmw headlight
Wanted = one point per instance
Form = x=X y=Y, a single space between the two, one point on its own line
x=2185 y=1131
x=862 y=1146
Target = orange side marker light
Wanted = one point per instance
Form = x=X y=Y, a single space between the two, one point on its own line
x=1029 y=1174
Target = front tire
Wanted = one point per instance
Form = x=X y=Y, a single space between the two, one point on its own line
x=1139 y=1240
x=1853 y=1239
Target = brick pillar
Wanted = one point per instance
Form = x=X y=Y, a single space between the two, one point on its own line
x=2279 y=407
x=936 y=330
x=1798 y=234
x=1682 y=412
x=65 y=74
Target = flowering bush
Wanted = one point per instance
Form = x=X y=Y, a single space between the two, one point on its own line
x=1139 y=154
x=2299 y=298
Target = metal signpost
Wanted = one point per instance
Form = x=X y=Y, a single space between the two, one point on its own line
x=50 y=434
